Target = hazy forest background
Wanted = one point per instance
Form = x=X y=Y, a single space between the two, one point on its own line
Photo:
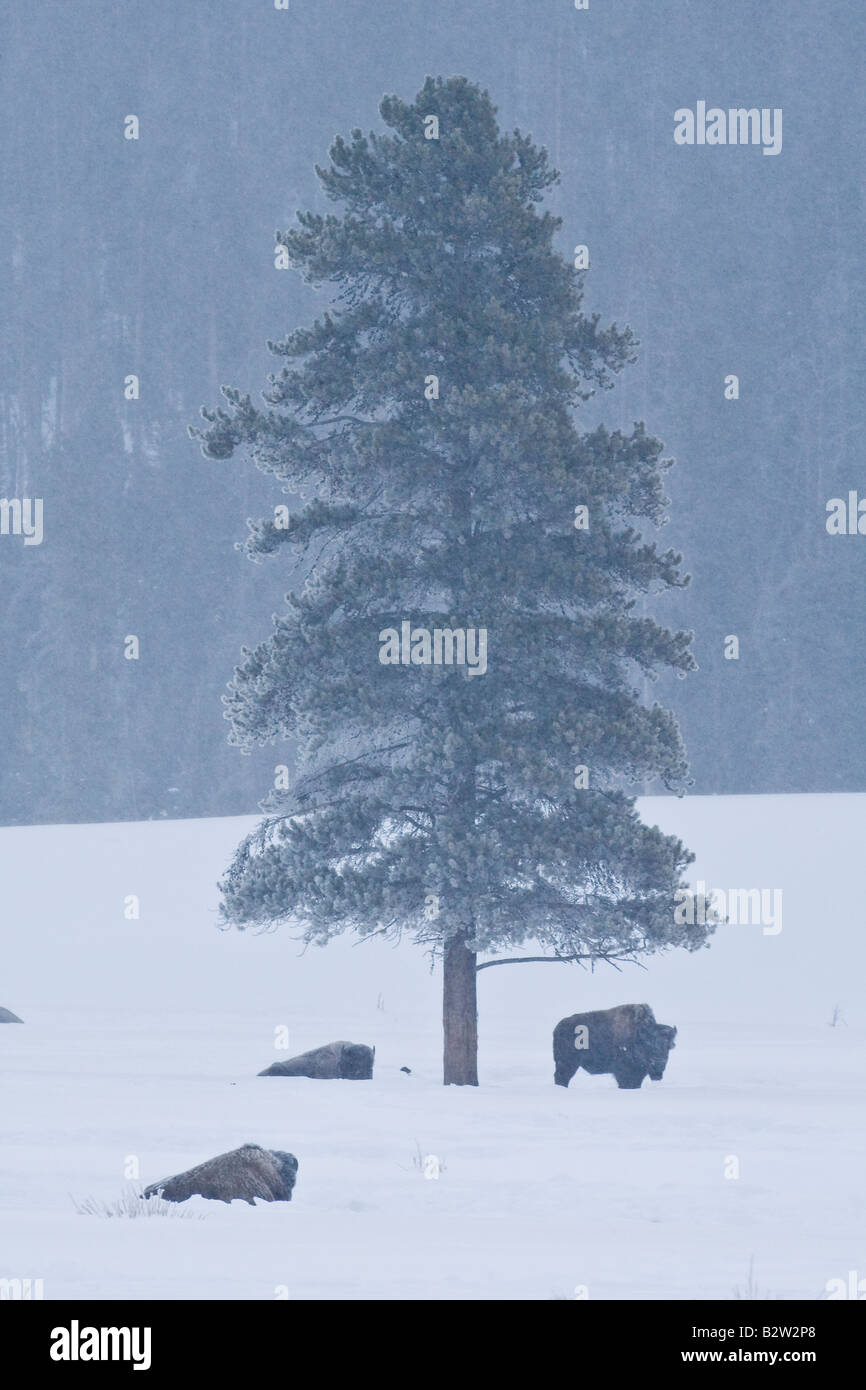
x=156 y=257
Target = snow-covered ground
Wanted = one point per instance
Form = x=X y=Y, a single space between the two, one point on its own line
x=142 y=1040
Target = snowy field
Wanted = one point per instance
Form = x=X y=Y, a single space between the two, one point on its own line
x=142 y=1040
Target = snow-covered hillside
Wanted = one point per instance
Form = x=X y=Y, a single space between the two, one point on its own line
x=142 y=1039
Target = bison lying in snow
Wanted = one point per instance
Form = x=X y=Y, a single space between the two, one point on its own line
x=344 y=1060
x=625 y=1041
x=246 y=1173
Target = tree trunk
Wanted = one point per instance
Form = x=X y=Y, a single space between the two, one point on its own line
x=459 y=1014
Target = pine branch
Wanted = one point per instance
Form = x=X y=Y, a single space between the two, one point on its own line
x=307 y=781
x=557 y=960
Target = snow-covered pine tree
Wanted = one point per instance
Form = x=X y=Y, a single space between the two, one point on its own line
x=430 y=419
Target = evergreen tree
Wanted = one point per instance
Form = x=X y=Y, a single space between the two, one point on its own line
x=430 y=418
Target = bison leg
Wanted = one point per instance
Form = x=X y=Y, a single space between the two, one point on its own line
x=564 y=1071
x=629 y=1078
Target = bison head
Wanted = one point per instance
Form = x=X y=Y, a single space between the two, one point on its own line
x=356 y=1062
x=658 y=1043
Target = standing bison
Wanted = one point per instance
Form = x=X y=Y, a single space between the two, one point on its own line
x=625 y=1042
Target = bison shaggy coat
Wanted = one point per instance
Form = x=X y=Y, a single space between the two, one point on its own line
x=624 y=1042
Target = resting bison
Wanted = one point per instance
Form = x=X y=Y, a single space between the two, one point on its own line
x=343 y=1061
x=245 y=1173
x=625 y=1041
